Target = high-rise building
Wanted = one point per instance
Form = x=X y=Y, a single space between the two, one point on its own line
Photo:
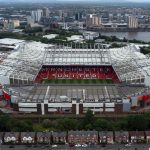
x=119 y=17
x=36 y=15
x=133 y=22
x=97 y=20
x=30 y=20
x=78 y=16
x=89 y=20
x=93 y=20
x=111 y=17
x=16 y=23
x=45 y=12
x=60 y=13
x=11 y=24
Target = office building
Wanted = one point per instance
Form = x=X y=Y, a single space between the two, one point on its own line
x=45 y=12
x=36 y=15
x=133 y=22
x=93 y=20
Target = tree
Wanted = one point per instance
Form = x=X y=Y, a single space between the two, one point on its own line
x=38 y=128
x=20 y=126
x=88 y=119
x=67 y=124
x=46 y=123
x=5 y=123
x=137 y=123
x=102 y=124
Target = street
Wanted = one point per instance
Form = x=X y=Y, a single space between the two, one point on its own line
x=66 y=147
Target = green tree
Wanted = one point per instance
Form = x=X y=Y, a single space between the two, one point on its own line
x=46 y=123
x=102 y=124
x=4 y=123
x=38 y=128
x=137 y=123
x=67 y=124
x=88 y=119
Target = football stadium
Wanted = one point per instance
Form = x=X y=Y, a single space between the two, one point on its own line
x=41 y=78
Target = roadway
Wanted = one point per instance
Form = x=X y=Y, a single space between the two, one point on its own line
x=66 y=147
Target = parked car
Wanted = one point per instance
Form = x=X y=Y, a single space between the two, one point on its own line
x=84 y=145
x=128 y=144
x=53 y=146
x=78 y=145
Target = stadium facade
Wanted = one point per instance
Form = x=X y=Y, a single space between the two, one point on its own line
x=125 y=69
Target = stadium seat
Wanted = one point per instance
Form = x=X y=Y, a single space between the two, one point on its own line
x=87 y=72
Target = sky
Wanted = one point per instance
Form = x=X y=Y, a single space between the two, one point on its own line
x=137 y=1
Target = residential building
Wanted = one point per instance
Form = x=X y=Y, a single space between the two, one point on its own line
x=27 y=137
x=59 y=137
x=82 y=137
x=147 y=134
x=11 y=137
x=106 y=137
x=43 y=137
x=137 y=136
x=121 y=136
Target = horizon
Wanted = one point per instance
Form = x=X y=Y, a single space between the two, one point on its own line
x=76 y=1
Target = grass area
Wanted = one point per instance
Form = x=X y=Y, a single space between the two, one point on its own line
x=78 y=81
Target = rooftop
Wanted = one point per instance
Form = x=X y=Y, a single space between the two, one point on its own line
x=50 y=36
x=9 y=41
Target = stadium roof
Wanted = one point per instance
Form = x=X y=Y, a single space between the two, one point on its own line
x=24 y=62
x=8 y=41
x=71 y=56
x=27 y=59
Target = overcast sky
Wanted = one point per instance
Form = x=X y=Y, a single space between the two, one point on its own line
x=138 y=1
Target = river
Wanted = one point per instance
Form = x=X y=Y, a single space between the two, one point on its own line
x=142 y=36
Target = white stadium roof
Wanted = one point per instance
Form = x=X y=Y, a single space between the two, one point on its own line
x=25 y=61
x=8 y=41
x=71 y=56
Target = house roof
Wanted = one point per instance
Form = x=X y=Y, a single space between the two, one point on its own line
x=147 y=133
x=85 y=133
x=59 y=134
x=11 y=134
x=136 y=133
x=105 y=133
x=121 y=133
x=27 y=134
x=43 y=134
